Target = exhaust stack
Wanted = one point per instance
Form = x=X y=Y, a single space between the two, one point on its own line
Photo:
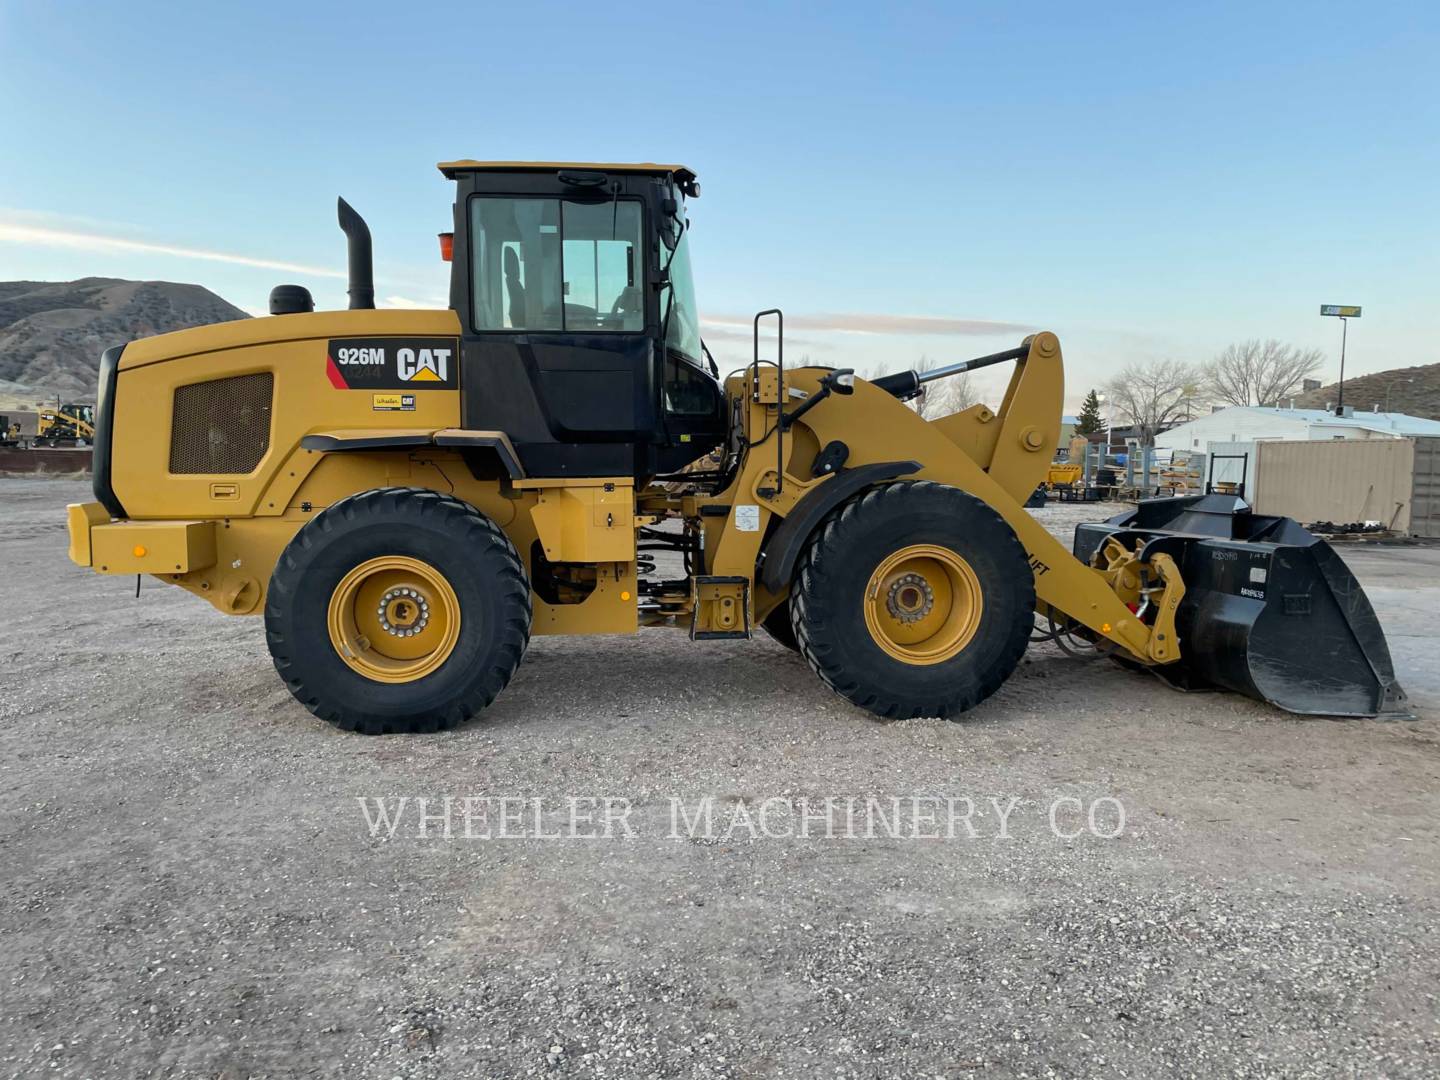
x=362 y=268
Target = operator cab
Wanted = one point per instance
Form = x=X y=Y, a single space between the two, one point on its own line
x=581 y=338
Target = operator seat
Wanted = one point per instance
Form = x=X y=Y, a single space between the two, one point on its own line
x=513 y=288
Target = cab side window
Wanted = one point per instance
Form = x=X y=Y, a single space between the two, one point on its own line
x=557 y=265
x=602 y=269
x=515 y=253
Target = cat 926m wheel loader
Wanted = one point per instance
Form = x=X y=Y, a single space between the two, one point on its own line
x=409 y=495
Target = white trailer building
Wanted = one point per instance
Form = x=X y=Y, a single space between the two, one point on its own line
x=1245 y=423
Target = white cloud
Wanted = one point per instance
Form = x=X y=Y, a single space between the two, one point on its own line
x=14 y=232
x=66 y=221
x=406 y=302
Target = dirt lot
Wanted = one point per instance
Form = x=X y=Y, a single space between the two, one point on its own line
x=190 y=886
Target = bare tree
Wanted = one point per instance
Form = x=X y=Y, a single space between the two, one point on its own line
x=943 y=396
x=1155 y=394
x=959 y=393
x=1258 y=372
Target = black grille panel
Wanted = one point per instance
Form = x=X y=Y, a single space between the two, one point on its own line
x=221 y=426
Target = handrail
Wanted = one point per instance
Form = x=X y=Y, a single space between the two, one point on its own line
x=779 y=389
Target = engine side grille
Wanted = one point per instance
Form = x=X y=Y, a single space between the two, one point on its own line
x=221 y=426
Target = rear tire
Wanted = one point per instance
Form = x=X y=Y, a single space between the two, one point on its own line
x=398 y=610
x=777 y=625
x=914 y=599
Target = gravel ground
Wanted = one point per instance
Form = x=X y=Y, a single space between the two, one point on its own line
x=191 y=888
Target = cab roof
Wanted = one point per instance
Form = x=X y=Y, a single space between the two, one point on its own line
x=452 y=168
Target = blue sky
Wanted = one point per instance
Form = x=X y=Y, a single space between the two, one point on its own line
x=1146 y=180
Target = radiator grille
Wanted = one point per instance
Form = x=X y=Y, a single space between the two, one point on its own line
x=221 y=426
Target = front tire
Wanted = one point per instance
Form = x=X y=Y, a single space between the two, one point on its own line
x=914 y=599
x=398 y=610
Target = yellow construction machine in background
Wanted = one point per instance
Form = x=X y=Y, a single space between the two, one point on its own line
x=69 y=424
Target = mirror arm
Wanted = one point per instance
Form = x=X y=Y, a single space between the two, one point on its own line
x=831 y=383
x=787 y=419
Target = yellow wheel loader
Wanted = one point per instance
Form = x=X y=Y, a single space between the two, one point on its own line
x=71 y=424
x=409 y=496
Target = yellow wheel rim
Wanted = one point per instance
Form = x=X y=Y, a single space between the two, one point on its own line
x=923 y=604
x=394 y=619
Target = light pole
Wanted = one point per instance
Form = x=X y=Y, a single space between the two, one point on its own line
x=1340 y=398
x=1109 y=406
x=1345 y=312
x=1392 y=387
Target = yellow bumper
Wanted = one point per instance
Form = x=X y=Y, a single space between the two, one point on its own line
x=138 y=547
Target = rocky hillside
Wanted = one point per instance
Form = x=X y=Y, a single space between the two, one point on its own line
x=53 y=332
x=1413 y=390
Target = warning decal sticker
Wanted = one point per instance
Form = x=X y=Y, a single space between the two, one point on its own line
x=747 y=517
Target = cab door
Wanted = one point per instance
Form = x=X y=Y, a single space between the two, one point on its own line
x=557 y=354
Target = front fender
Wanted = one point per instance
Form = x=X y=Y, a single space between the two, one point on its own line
x=782 y=549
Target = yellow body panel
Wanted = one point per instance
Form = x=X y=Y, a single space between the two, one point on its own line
x=585 y=520
x=281 y=329
x=152 y=547
x=293 y=349
x=80 y=518
x=974 y=430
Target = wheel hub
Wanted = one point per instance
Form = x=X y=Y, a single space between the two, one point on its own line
x=910 y=598
x=403 y=612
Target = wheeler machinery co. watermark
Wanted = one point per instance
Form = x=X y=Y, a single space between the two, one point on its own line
x=719 y=819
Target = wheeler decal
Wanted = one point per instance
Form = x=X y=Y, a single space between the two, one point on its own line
x=393 y=402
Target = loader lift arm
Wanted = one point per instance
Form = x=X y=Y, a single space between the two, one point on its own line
x=998 y=456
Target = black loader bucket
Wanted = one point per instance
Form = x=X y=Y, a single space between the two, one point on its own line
x=1269 y=611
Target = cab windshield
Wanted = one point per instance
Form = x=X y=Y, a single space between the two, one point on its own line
x=678 y=313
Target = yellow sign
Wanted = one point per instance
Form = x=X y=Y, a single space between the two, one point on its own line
x=1345 y=311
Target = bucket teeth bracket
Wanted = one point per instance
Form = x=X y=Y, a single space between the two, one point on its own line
x=1131 y=575
x=1164 y=642
x=1120 y=568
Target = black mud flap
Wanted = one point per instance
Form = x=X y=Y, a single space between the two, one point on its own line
x=1270 y=611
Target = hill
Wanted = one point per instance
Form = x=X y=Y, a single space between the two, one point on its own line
x=53 y=332
x=1413 y=390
